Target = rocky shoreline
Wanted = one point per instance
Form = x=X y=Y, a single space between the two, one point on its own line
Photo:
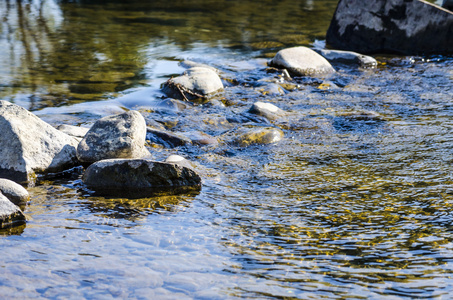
x=118 y=163
x=117 y=150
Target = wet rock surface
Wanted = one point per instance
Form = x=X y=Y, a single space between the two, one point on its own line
x=302 y=61
x=407 y=27
x=266 y=109
x=28 y=145
x=166 y=138
x=195 y=83
x=10 y=214
x=117 y=136
x=139 y=178
x=13 y=191
x=259 y=136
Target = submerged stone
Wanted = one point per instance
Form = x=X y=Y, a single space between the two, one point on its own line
x=117 y=136
x=29 y=145
x=166 y=138
x=195 y=83
x=406 y=27
x=139 y=178
x=260 y=136
x=13 y=191
x=10 y=214
x=201 y=138
x=302 y=61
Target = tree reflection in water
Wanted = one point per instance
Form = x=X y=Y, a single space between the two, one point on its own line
x=50 y=55
x=26 y=31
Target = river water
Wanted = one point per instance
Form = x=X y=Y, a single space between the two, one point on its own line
x=354 y=203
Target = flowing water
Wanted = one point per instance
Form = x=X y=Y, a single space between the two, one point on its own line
x=354 y=203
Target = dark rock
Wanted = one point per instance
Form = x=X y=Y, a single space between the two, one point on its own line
x=407 y=27
x=117 y=136
x=13 y=191
x=448 y=4
x=302 y=61
x=139 y=178
x=166 y=138
x=10 y=214
x=29 y=145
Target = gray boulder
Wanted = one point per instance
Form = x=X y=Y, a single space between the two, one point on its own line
x=302 y=61
x=13 y=191
x=195 y=83
x=408 y=27
x=139 y=178
x=117 y=136
x=348 y=57
x=29 y=145
x=10 y=214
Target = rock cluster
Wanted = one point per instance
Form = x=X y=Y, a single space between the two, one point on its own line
x=115 y=149
x=114 y=145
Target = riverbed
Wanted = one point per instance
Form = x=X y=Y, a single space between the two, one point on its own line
x=354 y=203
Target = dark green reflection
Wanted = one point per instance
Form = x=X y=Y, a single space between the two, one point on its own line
x=64 y=52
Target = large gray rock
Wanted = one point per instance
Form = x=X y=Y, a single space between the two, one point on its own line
x=195 y=83
x=407 y=27
x=348 y=57
x=29 y=145
x=117 y=136
x=302 y=61
x=13 y=191
x=10 y=214
x=139 y=178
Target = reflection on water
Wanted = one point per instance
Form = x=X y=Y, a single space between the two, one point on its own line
x=355 y=202
x=53 y=54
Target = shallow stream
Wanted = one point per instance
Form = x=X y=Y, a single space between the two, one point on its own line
x=354 y=203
